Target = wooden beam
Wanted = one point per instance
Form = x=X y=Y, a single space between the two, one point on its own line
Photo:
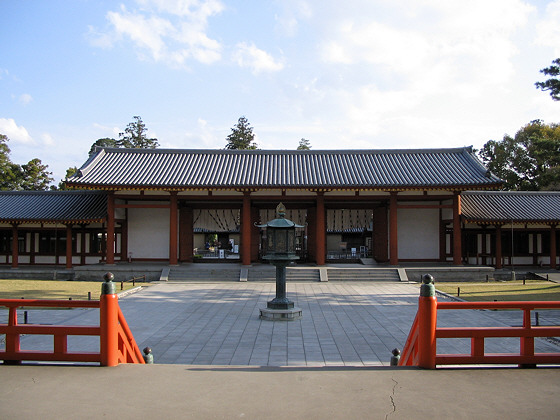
x=110 y=228
x=321 y=230
x=246 y=230
x=393 y=230
x=173 y=228
x=457 y=260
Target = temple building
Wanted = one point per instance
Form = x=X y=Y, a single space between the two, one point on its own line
x=384 y=206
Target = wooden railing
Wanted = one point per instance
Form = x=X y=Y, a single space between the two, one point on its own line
x=117 y=344
x=420 y=347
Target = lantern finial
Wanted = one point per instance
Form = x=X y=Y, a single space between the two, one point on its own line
x=281 y=211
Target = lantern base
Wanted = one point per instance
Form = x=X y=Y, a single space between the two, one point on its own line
x=280 y=303
x=281 y=314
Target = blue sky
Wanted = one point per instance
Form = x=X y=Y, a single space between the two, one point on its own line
x=352 y=74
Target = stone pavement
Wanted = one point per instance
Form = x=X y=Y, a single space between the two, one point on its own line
x=343 y=324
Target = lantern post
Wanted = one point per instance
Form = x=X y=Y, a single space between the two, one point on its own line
x=280 y=250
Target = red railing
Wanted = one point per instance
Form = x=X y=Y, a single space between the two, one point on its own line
x=420 y=347
x=117 y=344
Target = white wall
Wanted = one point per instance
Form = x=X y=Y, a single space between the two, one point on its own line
x=418 y=231
x=148 y=233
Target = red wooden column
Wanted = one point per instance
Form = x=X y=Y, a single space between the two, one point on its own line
x=173 y=228
x=69 y=245
x=456 y=228
x=83 y=244
x=499 y=246
x=186 y=237
x=552 y=246
x=110 y=228
x=246 y=229
x=393 y=230
x=321 y=230
x=15 y=245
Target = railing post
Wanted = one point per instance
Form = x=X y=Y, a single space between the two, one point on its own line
x=12 y=339
x=527 y=344
x=108 y=322
x=427 y=321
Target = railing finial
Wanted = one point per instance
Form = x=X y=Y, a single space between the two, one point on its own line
x=427 y=289
x=108 y=288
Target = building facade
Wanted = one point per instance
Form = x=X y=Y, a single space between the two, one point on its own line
x=176 y=206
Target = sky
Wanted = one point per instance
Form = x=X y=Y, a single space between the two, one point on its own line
x=352 y=74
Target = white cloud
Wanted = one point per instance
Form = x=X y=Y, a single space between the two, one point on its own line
x=469 y=42
x=249 y=56
x=47 y=139
x=25 y=99
x=172 y=32
x=548 y=30
x=290 y=15
x=14 y=132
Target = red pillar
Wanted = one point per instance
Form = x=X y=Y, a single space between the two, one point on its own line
x=173 y=228
x=111 y=228
x=456 y=228
x=499 y=246
x=83 y=245
x=109 y=322
x=15 y=245
x=246 y=230
x=321 y=230
x=186 y=238
x=393 y=230
x=68 y=246
x=552 y=246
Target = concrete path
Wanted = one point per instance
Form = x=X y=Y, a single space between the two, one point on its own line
x=212 y=392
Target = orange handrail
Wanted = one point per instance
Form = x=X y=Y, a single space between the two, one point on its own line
x=117 y=344
x=420 y=347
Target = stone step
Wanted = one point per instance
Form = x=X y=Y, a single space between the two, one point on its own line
x=292 y=274
x=181 y=274
x=363 y=274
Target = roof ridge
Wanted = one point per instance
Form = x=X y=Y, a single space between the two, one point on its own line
x=463 y=149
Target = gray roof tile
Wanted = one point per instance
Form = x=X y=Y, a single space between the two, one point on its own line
x=505 y=206
x=177 y=168
x=52 y=206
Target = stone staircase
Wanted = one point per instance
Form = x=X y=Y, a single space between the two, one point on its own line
x=202 y=273
x=268 y=273
x=205 y=273
x=363 y=274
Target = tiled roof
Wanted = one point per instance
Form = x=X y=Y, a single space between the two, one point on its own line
x=505 y=206
x=366 y=169
x=52 y=206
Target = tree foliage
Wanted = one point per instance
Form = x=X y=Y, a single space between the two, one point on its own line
x=304 y=144
x=134 y=136
x=553 y=84
x=241 y=136
x=105 y=142
x=529 y=161
x=31 y=176
x=69 y=172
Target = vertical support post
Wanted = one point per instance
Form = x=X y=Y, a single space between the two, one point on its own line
x=527 y=345
x=246 y=229
x=499 y=247
x=552 y=246
x=427 y=322
x=393 y=230
x=111 y=228
x=15 y=246
x=186 y=236
x=456 y=228
x=12 y=339
x=69 y=246
x=321 y=229
x=108 y=322
x=173 y=228
x=83 y=244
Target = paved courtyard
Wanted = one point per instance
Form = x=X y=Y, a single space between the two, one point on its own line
x=343 y=324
